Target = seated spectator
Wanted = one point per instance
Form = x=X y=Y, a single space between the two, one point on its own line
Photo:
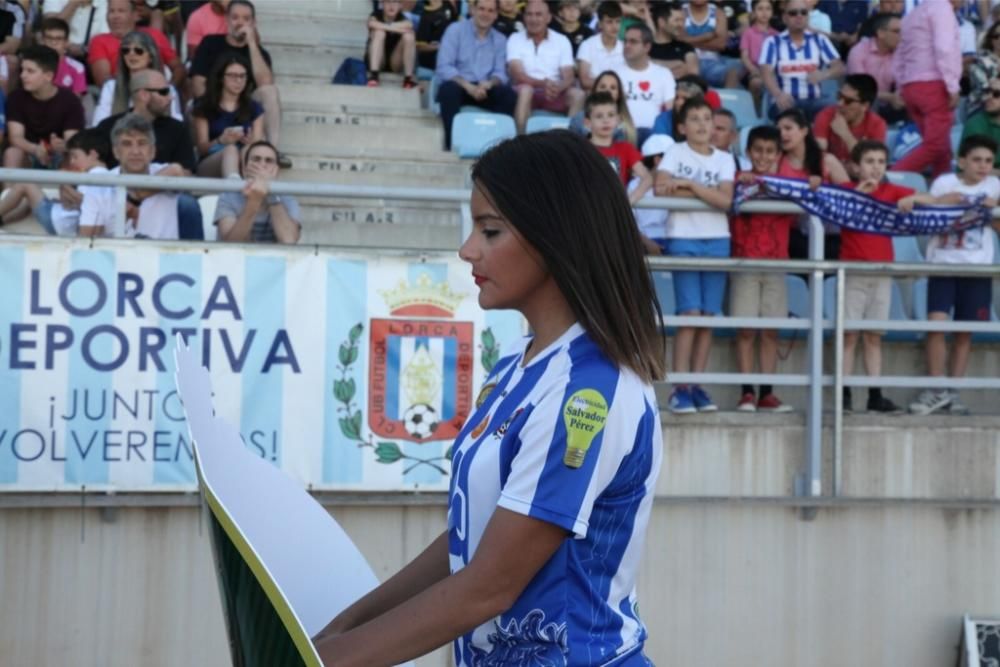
x=153 y=214
x=138 y=52
x=434 y=20
x=986 y=122
x=254 y=214
x=508 y=18
x=795 y=63
x=472 y=67
x=845 y=21
x=86 y=153
x=840 y=127
x=102 y=55
x=209 y=19
x=41 y=116
x=983 y=69
x=652 y=222
x=648 y=88
x=540 y=64
x=752 y=42
x=759 y=294
x=392 y=44
x=603 y=51
x=726 y=134
x=608 y=82
x=86 y=19
x=896 y=7
x=12 y=22
x=151 y=99
x=873 y=56
x=71 y=74
x=226 y=118
x=567 y=22
x=818 y=19
x=688 y=86
x=241 y=39
x=668 y=50
x=706 y=28
x=602 y=121
x=635 y=12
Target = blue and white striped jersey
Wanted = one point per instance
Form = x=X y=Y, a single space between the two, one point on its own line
x=792 y=64
x=572 y=440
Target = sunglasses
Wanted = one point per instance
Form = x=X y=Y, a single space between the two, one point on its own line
x=159 y=91
x=134 y=50
x=848 y=100
x=994 y=93
x=797 y=12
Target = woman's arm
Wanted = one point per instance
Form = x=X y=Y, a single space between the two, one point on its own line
x=201 y=139
x=835 y=170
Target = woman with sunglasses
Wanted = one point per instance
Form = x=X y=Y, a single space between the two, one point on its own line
x=138 y=51
x=226 y=118
x=608 y=82
x=983 y=69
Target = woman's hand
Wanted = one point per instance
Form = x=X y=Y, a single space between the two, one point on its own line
x=231 y=135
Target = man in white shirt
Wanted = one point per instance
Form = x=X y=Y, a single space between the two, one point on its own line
x=540 y=64
x=603 y=51
x=648 y=88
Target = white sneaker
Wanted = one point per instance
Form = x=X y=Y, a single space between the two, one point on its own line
x=930 y=401
x=956 y=407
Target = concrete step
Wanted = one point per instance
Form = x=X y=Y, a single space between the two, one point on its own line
x=276 y=10
x=378 y=170
x=296 y=91
x=361 y=117
x=309 y=62
x=351 y=138
x=313 y=30
x=321 y=212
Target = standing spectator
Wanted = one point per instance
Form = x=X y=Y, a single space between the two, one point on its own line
x=602 y=121
x=152 y=99
x=759 y=294
x=434 y=20
x=846 y=17
x=70 y=74
x=226 y=118
x=471 y=67
x=696 y=169
x=652 y=222
x=138 y=52
x=41 y=116
x=603 y=51
x=608 y=82
x=687 y=87
x=86 y=18
x=241 y=39
x=255 y=214
x=752 y=42
x=392 y=44
x=983 y=69
x=794 y=63
x=873 y=56
x=102 y=55
x=840 y=127
x=668 y=50
x=927 y=66
x=648 y=88
x=209 y=19
x=508 y=18
x=706 y=28
x=986 y=122
x=540 y=63
x=567 y=22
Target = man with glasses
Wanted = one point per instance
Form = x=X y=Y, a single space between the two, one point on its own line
x=987 y=121
x=840 y=127
x=254 y=214
x=648 y=88
x=795 y=63
x=873 y=55
x=70 y=74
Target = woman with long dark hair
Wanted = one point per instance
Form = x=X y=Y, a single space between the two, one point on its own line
x=553 y=473
x=137 y=52
x=226 y=118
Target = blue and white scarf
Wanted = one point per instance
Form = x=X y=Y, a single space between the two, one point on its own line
x=861 y=212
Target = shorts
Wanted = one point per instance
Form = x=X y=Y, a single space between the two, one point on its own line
x=714 y=70
x=539 y=102
x=867 y=298
x=43 y=214
x=758 y=295
x=391 y=41
x=700 y=291
x=970 y=298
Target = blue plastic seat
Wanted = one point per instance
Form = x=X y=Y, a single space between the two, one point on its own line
x=663 y=282
x=909 y=179
x=472 y=133
x=956 y=138
x=543 y=123
x=740 y=102
x=905 y=249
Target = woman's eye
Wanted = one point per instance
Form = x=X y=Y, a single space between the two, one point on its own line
x=490 y=233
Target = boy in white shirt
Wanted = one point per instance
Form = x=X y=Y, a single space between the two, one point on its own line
x=603 y=51
x=695 y=168
x=969 y=297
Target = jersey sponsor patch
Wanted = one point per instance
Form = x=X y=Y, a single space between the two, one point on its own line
x=584 y=416
x=484 y=393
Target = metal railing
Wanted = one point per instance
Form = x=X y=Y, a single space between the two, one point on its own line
x=808 y=483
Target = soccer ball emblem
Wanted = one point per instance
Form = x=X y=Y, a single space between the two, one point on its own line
x=420 y=421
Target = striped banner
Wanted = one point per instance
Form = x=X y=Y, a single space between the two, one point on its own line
x=347 y=371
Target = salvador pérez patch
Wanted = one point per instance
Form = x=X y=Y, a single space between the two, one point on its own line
x=584 y=415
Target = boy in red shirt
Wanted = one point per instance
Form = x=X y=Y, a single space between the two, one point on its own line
x=601 y=118
x=763 y=294
x=868 y=296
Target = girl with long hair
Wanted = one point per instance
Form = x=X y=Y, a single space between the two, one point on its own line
x=608 y=82
x=226 y=117
x=554 y=471
x=137 y=52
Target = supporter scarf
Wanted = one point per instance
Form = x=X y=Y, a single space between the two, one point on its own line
x=860 y=212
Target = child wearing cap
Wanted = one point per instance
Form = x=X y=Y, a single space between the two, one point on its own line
x=652 y=222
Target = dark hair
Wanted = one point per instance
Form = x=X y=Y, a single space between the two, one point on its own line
x=47 y=59
x=208 y=105
x=609 y=9
x=695 y=80
x=91 y=139
x=866 y=86
x=556 y=190
x=245 y=3
x=597 y=99
x=697 y=102
x=249 y=149
x=881 y=21
x=663 y=10
x=974 y=141
x=53 y=23
x=764 y=133
x=867 y=146
x=986 y=44
x=813 y=161
x=753 y=5
x=722 y=111
x=644 y=32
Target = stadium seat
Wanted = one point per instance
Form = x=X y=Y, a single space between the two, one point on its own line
x=542 y=123
x=909 y=179
x=207 y=204
x=432 y=93
x=906 y=249
x=663 y=282
x=956 y=138
x=740 y=102
x=473 y=133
